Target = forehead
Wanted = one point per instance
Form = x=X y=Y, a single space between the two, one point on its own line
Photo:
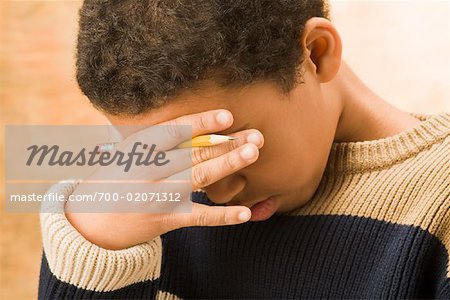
x=247 y=105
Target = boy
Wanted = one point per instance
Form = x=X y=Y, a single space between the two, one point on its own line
x=330 y=191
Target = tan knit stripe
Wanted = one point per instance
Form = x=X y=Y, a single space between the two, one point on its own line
x=357 y=157
x=160 y=295
x=415 y=192
x=75 y=260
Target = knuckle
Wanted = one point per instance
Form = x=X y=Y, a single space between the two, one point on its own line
x=166 y=222
x=201 y=154
x=196 y=156
x=206 y=153
x=173 y=130
x=200 y=177
x=230 y=146
x=202 y=122
x=222 y=219
x=202 y=219
x=230 y=162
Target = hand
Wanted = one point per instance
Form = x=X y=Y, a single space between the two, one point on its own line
x=118 y=230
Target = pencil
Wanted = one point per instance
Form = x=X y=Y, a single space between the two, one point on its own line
x=198 y=141
x=206 y=140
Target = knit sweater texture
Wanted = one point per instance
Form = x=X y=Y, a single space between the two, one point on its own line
x=378 y=226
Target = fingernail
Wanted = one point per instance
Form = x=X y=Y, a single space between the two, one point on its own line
x=254 y=138
x=244 y=216
x=248 y=152
x=223 y=118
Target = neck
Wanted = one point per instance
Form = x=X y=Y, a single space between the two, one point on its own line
x=364 y=116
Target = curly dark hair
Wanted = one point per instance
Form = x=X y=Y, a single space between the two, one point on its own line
x=134 y=55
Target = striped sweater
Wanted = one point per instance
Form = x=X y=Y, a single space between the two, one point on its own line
x=378 y=226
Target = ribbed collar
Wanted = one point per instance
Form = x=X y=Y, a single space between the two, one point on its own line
x=356 y=157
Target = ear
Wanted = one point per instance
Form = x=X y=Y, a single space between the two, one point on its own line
x=322 y=48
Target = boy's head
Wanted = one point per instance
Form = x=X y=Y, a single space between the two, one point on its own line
x=266 y=61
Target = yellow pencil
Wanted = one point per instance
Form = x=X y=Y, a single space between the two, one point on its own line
x=206 y=140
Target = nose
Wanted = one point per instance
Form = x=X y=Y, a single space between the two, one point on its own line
x=227 y=188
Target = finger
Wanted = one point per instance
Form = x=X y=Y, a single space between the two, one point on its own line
x=167 y=135
x=204 y=122
x=217 y=168
x=182 y=159
x=201 y=154
x=204 y=215
x=212 y=170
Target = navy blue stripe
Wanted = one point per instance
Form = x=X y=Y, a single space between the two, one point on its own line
x=305 y=257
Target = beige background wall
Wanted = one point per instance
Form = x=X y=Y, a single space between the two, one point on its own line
x=401 y=49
